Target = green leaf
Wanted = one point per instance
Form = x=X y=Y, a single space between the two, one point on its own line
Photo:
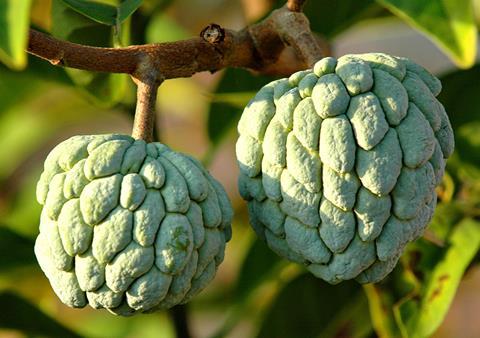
x=104 y=13
x=127 y=8
x=459 y=95
x=445 y=217
x=460 y=98
x=223 y=117
x=104 y=89
x=352 y=321
x=306 y=306
x=97 y=11
x=14 y=23
x=15 y=250
x=421 y=317
x=19 y=314
x=68 y=24
x=257 y=266
x=381 y=303
x=329 y=19
x=17 y=86
x=449 y=23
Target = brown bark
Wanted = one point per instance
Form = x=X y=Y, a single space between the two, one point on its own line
x=259 y=47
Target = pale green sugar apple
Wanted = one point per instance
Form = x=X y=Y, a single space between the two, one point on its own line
x=128 y=226
x=339 y=164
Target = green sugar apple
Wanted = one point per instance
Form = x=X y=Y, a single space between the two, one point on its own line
x=339 y=164
x=128 y=226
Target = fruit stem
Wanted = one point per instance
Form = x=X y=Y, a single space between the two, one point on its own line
x=147 y=81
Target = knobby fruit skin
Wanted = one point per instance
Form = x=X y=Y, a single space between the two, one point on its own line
x=128 y=226
x=339 y=163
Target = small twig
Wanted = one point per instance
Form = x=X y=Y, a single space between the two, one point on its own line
x=295 y=5
x=179 y=317
x=295 y=31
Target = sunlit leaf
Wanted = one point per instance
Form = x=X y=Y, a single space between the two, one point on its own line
x=449 y=23
x=423 y=316
x=19 y=314
x=414 y=299
x=14 y=22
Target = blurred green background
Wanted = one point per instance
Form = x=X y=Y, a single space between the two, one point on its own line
x=435 y=289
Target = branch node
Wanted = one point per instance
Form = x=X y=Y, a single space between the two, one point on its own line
x=213 y=33
x=294 y=29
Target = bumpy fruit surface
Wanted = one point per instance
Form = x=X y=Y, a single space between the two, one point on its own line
x=128 y=226
x=339 y=164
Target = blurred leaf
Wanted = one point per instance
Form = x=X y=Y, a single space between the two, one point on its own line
x=15 y=250
x=15 y=86
x=460 y=98
x=162 y=28
x=449 y=23
x=352 y=321
x=156 y=5
x=330 y=18
x=446 y=215
x=222 y=116
x=381 y=303
x=306 y=306
x=239 y=99
x=20 y=210
x=476 y=11
x=422 y=315
x=460 y=95
x=14 y=23
x=21 y=315
x=259 y=263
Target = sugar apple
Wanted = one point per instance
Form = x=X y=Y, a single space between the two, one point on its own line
x=128 y=226
x=339 y=163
